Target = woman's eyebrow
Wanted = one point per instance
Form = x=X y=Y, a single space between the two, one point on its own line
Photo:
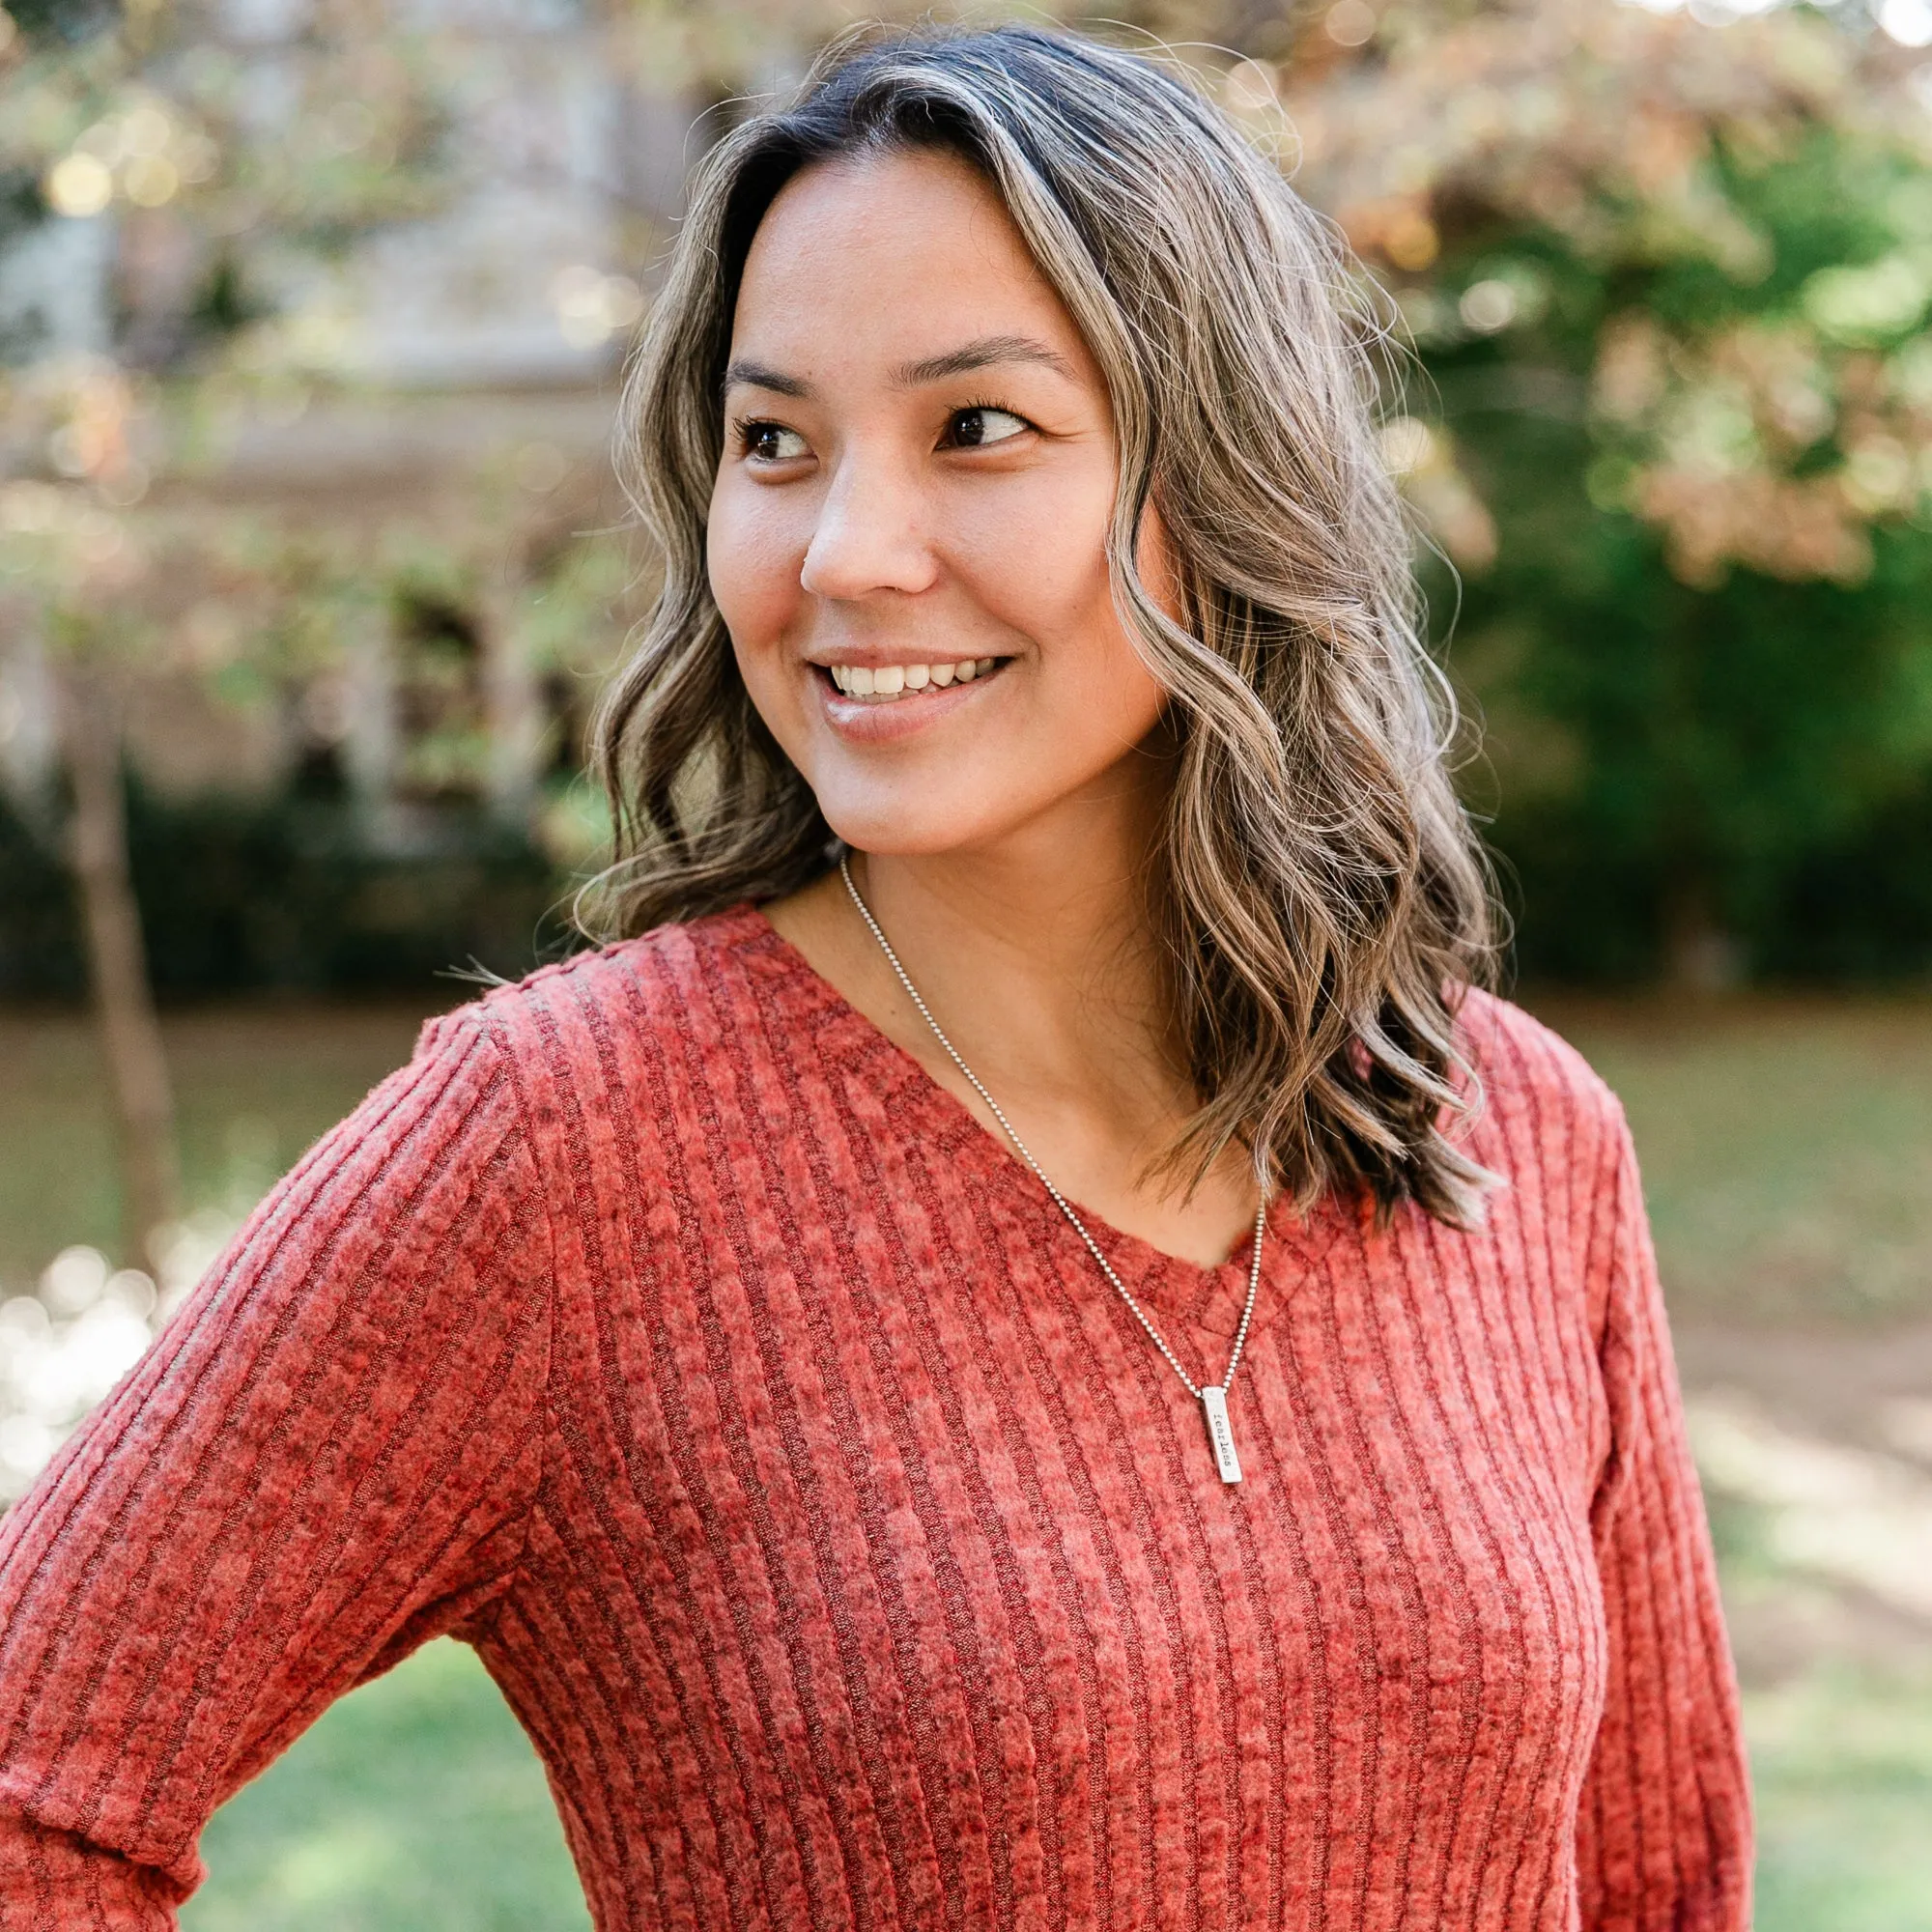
x=983 y=354
x=759 y=377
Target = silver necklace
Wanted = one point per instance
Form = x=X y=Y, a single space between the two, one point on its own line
x=1213 y=1398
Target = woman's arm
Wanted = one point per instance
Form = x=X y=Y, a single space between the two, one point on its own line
x=327 y=1458
x=1665 y=1832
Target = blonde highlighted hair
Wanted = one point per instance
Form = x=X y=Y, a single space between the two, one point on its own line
x=1318 y=894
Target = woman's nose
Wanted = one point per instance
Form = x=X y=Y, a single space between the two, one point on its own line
x=872 y=535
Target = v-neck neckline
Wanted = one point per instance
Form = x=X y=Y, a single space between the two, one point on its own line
x=1205 y=1299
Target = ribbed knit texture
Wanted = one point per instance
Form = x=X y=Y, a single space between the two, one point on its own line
x=846 y=1546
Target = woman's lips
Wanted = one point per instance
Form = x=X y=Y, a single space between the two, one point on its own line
x=873 y=717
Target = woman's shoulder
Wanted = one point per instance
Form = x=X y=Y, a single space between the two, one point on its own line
x=1510 y=1045
x=691 y=976
x=1537 y=1092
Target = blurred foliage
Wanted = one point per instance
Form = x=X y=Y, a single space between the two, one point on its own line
x=1667 y=279
x=288 y=893
x=232 y=183
x=239 y=169
x=1666 y=275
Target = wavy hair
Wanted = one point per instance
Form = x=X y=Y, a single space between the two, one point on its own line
x=1318 y=894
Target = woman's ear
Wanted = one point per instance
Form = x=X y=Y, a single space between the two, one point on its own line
x=1158 y=564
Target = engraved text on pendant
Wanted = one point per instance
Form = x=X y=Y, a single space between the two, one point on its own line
x=1214 y=1406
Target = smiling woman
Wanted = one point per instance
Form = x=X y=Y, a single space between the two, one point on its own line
x=956 y=363
x=1031 y=1351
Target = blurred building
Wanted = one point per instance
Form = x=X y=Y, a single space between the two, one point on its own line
x=465 y=373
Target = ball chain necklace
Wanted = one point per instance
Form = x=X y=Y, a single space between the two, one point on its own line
x=1213 y=1398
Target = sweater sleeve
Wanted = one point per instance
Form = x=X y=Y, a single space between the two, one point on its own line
x=1665 y=1829
x=328 y=1456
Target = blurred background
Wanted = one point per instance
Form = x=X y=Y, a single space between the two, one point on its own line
x=311 y=318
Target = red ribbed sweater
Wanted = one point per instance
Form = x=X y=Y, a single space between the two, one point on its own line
x=849 y=1551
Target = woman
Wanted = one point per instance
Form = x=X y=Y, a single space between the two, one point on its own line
x=1029 y=1353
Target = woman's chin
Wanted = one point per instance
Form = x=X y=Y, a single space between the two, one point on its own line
x=890 y=834
x=912 y=800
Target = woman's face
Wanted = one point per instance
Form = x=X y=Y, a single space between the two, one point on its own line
x=908 y=527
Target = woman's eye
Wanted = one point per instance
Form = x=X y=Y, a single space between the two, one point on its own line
x=771 y=443
x=982 y=425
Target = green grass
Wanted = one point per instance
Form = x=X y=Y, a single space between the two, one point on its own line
x=415 y=1803
x=1787 y=1153
x=1786 y=1148
x=254 y=1086
x=1843 y=1773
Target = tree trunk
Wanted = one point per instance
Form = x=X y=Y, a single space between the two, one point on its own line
x=512 y=702
x=1699 y=956
x=130 y=1037
x=371 y=744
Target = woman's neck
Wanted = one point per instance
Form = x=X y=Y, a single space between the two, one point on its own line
x=1038 y=956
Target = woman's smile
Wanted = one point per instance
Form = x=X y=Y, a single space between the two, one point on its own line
x=873 y=703
x=886 y=683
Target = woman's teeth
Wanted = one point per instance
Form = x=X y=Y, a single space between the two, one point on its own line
x=881 y=683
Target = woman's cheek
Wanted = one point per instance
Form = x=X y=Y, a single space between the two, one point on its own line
x=752 y=572
x=1037 y=560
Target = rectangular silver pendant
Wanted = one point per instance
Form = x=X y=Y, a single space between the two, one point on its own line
x=1214 y=1406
